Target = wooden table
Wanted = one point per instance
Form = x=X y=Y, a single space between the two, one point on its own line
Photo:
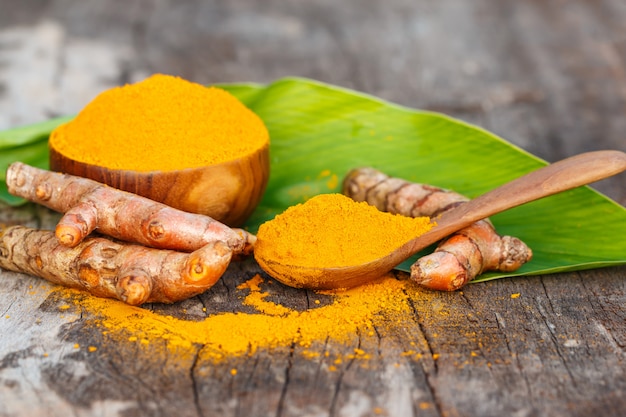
x=549 y=76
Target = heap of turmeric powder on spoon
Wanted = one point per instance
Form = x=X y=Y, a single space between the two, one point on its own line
x=332 y=231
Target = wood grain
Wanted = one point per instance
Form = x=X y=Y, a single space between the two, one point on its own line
x=549 y=76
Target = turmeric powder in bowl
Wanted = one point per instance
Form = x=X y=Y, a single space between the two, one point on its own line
x=190 y=146
x=331 y=230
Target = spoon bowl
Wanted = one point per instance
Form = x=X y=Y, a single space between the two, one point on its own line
x=552 y=179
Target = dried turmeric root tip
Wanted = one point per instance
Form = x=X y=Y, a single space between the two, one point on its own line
x=131 y=273
x=90 y=205
x=458 y=259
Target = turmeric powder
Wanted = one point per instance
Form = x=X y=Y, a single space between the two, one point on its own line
x=331 y=230
x=162 y=123
x=226 y=335
x=459 y=258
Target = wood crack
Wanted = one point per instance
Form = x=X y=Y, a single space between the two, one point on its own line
x=283 y=392
x=205 y=309
x=553 y=336
x=339 y=383
x=379 y=340
x=618 y=347
x=6 y=311
x=194 y=381
x=318 y=369
x=420 y=325
x=513 y=353
x=432 y=389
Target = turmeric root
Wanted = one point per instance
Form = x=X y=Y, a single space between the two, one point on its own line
x=132 y=273
x=89 y=205
x=458 y=259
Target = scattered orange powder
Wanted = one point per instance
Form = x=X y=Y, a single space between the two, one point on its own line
x=332 y=182
x=235 y=334
x=257 y=299
x=253 y=284
x=310 y=354
x=169 y=122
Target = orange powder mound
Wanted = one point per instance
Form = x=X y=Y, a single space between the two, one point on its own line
x=161 y=123
x=332 y=230
x=236 y=334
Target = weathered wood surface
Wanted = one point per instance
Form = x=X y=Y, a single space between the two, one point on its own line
x=549 y=76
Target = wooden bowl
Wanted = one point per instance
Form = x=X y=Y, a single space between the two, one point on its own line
x=228 y=192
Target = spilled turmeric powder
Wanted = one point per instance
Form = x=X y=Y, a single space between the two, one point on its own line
x=228 y=335
x=162 y=123
x=257 y=299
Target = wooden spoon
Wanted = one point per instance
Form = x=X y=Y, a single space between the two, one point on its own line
x=561 y=176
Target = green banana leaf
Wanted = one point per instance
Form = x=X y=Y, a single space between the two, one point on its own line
x=319 y=132
x=28 y=144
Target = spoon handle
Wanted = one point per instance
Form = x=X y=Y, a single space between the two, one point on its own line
x=560 y=176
